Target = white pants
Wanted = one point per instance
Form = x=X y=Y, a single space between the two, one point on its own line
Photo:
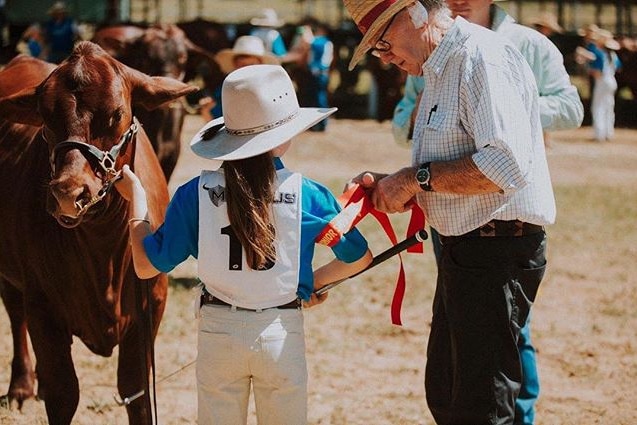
x=603 y=108
x=238 y=348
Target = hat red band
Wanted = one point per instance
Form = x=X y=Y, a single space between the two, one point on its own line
x=373 y=14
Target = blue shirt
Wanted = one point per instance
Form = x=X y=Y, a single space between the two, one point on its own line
x=178 y=237
x=321 y=55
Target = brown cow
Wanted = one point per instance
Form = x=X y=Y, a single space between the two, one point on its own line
x=160 y=50
x=65 y=264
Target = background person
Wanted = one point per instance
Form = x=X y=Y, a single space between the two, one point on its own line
x=312 y=54
x=60 y=33
x=247 y=50
x=252 y=226
x=479 y=171
x=265 y=27
x=602 y=70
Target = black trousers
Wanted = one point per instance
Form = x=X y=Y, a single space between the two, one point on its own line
x=484 y=293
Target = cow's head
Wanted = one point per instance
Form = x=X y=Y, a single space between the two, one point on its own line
x=160 y=50
x=84 y=108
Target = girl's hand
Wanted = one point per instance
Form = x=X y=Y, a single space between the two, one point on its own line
x=128 y=184
x=315 y=300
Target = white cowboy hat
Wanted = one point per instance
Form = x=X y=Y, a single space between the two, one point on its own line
x=608 y=39
x=267 y=18
x=548 y=20
x=260 y=112
x=245 y=45
x=588 y=31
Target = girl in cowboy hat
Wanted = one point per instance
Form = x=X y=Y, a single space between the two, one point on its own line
x=252 y=225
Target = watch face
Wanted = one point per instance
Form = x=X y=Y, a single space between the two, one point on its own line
x=422 y=176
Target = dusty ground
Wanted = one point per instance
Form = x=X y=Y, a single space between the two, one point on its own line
x=363 y=370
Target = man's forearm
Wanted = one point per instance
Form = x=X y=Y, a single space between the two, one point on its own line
x=460 y=176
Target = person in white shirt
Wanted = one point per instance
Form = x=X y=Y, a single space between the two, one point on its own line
x=560 y=108
x=480 y=173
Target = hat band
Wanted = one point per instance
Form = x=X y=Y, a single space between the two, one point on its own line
x=262 y=128
x=373 y=14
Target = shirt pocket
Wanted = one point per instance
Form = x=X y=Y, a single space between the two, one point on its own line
x=436 y=121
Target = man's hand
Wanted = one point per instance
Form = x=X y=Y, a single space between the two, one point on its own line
x=367 y=180
x=394 y=192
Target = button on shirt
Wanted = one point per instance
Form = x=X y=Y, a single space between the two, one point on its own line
x=480 y=99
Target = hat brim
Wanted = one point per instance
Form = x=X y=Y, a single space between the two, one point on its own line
x=375 y=29
x=224 y=146
x=225 y=59
x=259 y=22
x=612 y=44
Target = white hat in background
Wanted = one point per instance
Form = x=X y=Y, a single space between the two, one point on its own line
x=247 y=45
x=267 y=18
x=548 y=20
x=607 y=39
x=260 y=112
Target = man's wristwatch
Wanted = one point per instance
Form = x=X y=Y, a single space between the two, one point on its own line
x=423 y=177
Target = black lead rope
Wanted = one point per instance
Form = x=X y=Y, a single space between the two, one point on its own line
x=151 y=345
x=147 y=332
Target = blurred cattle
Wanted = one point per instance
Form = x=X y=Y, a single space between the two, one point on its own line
x=65 y=265
x=160 y=50
x=627 y=75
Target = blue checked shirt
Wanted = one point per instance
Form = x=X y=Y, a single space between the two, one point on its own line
x=480 y=99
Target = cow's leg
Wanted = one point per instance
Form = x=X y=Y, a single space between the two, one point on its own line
x=132 y=374
x=134 y=351
x=21 y=386
x=57 y=382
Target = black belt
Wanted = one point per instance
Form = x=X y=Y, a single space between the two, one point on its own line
x=495 y=228
x=207 y=298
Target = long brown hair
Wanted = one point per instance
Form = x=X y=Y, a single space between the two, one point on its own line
x=250 y=194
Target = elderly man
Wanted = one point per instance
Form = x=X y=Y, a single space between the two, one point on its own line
x=480 y=173
x=560 y=108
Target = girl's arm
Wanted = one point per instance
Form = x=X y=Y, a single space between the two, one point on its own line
x=333 y=271
x=132 y=190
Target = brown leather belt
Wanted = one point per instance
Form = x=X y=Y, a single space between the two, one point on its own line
x=496 y=228
x=207 y=298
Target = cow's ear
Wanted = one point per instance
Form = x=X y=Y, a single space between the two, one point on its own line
x=152 y=92
x=21 y=107
x=113 y=46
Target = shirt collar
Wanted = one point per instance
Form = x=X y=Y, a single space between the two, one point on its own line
x=499 y=17
x=452 y=40
x=278 y=164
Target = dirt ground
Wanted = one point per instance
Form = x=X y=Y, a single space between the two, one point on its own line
x=365 y=371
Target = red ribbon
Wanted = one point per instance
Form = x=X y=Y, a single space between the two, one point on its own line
x=356 y=205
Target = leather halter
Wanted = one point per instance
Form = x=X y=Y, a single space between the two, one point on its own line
x=105 y=159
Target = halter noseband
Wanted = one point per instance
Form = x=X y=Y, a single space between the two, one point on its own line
x=105 y=159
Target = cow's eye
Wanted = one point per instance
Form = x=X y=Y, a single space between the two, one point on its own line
x=115 y=118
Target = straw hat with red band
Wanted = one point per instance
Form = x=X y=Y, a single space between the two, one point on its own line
x=371 y=17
